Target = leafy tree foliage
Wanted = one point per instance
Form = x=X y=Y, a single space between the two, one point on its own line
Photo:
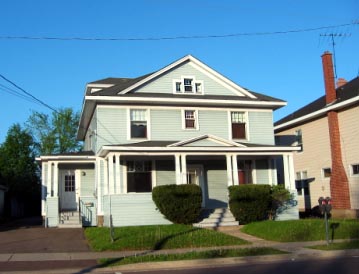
x=55 y=133
x=17 y=163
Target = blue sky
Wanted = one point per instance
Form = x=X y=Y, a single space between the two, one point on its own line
x=286 y=66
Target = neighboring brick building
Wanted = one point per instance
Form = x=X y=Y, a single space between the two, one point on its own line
x=327 y=129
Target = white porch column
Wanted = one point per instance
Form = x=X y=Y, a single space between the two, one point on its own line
x=105 y=173
x=235 y=170
x=43 y=189
x=270 y=171
x=99 y=187
x=288 y=165
x=49 y=179
x=118 y=182
x=56 y=179
x=184 y=168
x=178 y=169
x=229 y=170
x=111 y=174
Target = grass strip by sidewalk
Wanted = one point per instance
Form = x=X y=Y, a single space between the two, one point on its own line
x=157 y=237
x=303 y=230
x=194 y=255
x=338 y=246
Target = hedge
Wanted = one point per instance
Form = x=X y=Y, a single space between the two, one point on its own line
x=180 y=204
x=250 y=203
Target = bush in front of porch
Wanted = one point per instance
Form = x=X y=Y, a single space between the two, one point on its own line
x=180 y=204
x=250 y=203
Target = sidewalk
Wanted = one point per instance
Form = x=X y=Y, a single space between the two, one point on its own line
x=297 y=251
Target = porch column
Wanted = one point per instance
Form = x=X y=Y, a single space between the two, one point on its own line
x=56 y=179
x=111 y=174
x=49 y=179
x=229 y=170
x=99 y=186
x=288 y=171
x=235 y=170
x=43 y=189
x=184 y=168
x=270 y=171
x=118 y=183
x=178 y=169
x=105 y=173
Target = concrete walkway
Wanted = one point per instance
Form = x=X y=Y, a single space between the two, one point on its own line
x=297 y=251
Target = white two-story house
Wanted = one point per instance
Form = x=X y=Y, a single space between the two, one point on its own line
x=183 y=124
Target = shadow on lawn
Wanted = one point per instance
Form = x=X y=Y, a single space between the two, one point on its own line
x=158 y=246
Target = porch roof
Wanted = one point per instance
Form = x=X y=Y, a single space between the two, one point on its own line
x=165 y=148
x=77 y=156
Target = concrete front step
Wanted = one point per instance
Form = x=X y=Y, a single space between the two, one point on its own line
x=70 y=219
x=216 y=218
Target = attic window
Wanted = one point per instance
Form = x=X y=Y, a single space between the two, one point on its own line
x=187 y=85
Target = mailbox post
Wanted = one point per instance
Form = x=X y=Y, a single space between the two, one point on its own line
x=325 y=206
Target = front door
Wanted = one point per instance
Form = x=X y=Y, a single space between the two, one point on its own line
x=68 y=191
x=195 y=176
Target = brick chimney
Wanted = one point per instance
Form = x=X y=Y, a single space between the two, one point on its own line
x=339 y=185
x=341 y=82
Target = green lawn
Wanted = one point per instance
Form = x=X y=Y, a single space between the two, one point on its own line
x=210 y=254
x=303 y=230
x=156 y=238
x=338 y=246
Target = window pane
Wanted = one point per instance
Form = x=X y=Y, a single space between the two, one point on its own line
x=238 y=131
x=355 y=169
x=138 y=115
x=138 y=130
x=327 y=172
x=190 y=124
x=237 y=117
x=139 y=178
x=187 y=84
x=69 y=183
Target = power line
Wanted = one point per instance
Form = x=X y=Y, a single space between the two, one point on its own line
x=174 y=37
x=16 y=93
x=28 y=93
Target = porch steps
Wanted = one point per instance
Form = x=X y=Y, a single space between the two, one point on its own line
x=213 y=218
x=69 y=219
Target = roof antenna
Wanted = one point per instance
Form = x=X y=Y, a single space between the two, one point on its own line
x=332 y=35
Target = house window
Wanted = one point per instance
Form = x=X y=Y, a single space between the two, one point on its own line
x=138 y=123
x=190 y=118
x=302 y=183
x=327 y=172
x=139 y=176
x=189 y=85
x=355 y=170
x=238 y=120
x=69 y=183
x=178 y=86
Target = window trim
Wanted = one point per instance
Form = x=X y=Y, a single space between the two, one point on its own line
x=183 y=115
x=148 y=126
x=351 y=167
x=247 y=137
x=194 y=84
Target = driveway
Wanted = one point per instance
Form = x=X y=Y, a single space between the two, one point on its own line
x=29 y=236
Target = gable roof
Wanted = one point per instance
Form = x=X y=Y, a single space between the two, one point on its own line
x=346 y=95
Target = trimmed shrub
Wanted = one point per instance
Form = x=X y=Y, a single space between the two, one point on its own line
x=180 y=204
x=250 y=203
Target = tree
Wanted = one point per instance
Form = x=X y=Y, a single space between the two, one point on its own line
x=18 y=169
x=56 y=133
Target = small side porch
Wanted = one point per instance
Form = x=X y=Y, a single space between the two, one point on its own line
x=68 y=190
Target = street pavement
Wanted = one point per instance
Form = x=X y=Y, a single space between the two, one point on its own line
x=34 y=249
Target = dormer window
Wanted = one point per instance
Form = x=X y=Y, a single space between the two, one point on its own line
x=188 y=85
